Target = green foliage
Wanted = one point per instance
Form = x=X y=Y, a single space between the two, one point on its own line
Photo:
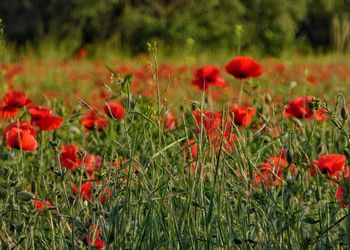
x=269 y=26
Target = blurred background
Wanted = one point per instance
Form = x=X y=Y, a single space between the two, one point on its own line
x=266 y=27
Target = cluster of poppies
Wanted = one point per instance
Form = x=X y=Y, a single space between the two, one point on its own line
x=23 y=134
x=93 y=120
x=241 y=67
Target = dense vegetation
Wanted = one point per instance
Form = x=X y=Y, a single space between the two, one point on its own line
x=268 y=26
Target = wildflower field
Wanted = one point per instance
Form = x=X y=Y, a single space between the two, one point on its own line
x=242 y=153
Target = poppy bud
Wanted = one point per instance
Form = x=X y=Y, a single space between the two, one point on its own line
x=319 y=149
x=268 y=98
x=25 y=196
x=289 y=156
x=344 y=114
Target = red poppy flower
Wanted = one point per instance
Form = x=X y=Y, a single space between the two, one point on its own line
x=299 y=108
x=93 y=239
x=85 y=191
x=92 y=163
x=49 y=123
x=243 y=67
x=341 y=194
x=11 y=102
x=333 y=165
x=170 y=121
x=211 y=120
x=206 y=76
x=226 y=138
x=42 y=205
x=93 y=121
x=37 y=112
x=191 y=147
x=16 y=99
x=69 y=157
x=271 y=172
x=42 y=118
x=114 y=110
x=243 y=115
x=8 y=112
x=21 y=135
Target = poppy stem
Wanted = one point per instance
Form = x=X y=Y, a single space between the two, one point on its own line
x=240 y=91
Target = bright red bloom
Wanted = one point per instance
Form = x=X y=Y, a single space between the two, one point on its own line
x=191 y=147
x=84 y=192
x=42 y=205
x=11 y=102
x=92 y=163
x=21 y=135
x=170 y=121
x=69 y=157
x=333 y=165
x=271 y=172
x=93 y=239
x=8 y=112
x=299 y=108
x=16 y=99
x=243 y=115
x=243 y=67
x=42 y=118
x=93 y=121
x=206 y=76
x=37 y=112
x=114 y=110
x=211 y=120
x=49 y=123
x=227 y=139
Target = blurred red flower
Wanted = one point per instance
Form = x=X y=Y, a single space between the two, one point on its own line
x=93 y=121
x=21 y=135
x=211 y=120
x=80 y=54
x=206 y=76
x=11 y=102
x=332 y=165
x=84 y=191
x=114 y=110
x=299 y=108
x=169 y=121
x=69 y=157
x=92 y=163
x=271 y=172
x=42 y=118
x=190 y=149
x=105 y=195
x=243 y=115
x=93 y=239
x=42 y=205
x=243 y=67
x=341 y=194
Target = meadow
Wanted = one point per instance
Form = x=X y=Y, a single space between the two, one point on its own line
x=149 y=153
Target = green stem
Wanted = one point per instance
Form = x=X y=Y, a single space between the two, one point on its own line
x=240 y=91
